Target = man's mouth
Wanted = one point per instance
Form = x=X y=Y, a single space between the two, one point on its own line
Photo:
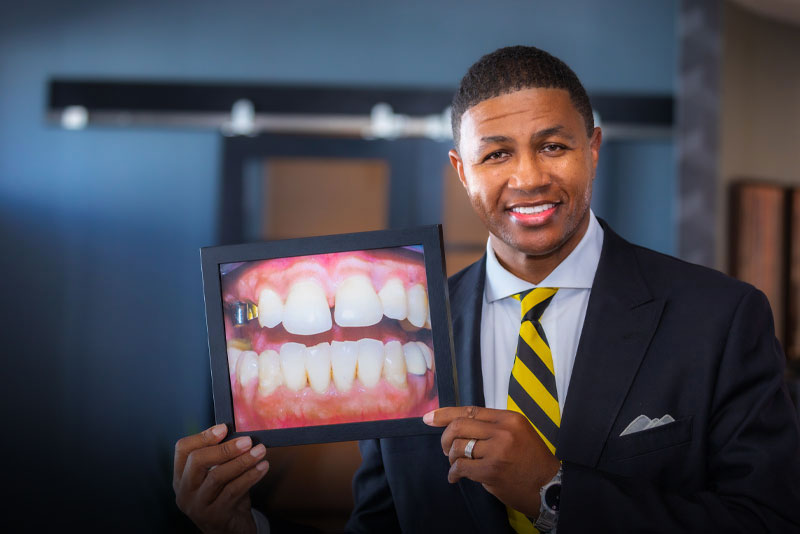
x=328 y=339
x=534 y=214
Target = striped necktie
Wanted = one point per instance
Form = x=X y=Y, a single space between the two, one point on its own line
x=532 y=386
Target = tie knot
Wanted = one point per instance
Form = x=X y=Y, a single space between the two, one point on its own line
x=535 y=301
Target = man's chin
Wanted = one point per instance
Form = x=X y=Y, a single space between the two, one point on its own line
x=532 y=246
x=539 y=251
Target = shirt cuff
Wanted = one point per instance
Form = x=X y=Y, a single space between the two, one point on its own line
x=262 y=523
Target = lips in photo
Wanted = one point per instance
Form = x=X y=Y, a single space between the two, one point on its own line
x=330 y=338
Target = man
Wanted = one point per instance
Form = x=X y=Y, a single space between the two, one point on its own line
x=666 y=409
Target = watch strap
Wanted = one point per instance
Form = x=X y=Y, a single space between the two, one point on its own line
x=548 y=517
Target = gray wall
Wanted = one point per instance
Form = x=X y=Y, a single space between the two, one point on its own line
x=760 y=119
x=105 y=352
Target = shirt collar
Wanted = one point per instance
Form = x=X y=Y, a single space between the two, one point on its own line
x=575 y=271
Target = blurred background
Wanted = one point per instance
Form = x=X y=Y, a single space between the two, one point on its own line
x=134 y=133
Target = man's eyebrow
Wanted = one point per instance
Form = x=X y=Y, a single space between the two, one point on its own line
x=554 y=130
x=494 y=139
x=546 y=132
x=490 y=140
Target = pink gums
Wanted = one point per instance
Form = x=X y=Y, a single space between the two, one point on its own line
x=285 y=408
x=329 y=270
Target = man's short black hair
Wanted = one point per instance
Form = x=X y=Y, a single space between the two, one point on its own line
x=514 y=68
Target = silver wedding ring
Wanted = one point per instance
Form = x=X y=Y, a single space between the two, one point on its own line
x=469 y=447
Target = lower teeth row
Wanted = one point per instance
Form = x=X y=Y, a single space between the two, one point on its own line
x=341 y=362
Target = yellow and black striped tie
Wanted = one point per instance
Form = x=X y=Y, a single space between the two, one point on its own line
x=532 y=386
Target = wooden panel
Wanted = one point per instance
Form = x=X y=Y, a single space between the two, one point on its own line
x=310 y=484
x=461 y=226
x=464 y=233
x=319 y=196
x=793 y=311
x=460 y=258
x=758 y=243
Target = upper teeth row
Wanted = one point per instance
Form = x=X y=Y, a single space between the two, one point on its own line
x=297 y=366
x=306 y=310
x=532 y=209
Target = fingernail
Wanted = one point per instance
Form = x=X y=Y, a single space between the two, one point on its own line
x=244 y=443
x=258 y=450
x=218 y=430
x=428 y=417
x=262 y=466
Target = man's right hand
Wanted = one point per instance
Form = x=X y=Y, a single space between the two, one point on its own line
x=212 y=480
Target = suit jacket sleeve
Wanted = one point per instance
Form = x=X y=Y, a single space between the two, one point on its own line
x=752 y=474
x=374 y=507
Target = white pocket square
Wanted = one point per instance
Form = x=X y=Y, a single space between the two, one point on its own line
x=643 y=423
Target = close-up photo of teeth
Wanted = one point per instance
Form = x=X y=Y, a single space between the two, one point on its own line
x=328 y=339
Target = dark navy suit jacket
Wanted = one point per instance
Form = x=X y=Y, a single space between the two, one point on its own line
x=661 y=336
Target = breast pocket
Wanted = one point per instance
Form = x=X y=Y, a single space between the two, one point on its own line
x=649 y=441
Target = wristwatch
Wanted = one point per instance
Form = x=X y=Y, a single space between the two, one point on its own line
x=550 y=495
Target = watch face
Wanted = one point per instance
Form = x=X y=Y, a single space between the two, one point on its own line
x=552 y=497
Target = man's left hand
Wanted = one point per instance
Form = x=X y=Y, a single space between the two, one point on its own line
x=509 y=458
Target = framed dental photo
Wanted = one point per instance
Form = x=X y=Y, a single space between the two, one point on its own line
x=331 y=338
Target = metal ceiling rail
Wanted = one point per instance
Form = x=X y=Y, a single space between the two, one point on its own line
x=248 y=109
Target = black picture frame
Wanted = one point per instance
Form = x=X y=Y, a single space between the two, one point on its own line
x=430 y=239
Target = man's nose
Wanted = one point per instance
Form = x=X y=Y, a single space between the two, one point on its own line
x=528 y=173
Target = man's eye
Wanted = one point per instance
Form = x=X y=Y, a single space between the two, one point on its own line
x=552 y=148
x=499 y=154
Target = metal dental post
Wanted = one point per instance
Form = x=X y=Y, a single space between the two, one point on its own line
x=244 y=312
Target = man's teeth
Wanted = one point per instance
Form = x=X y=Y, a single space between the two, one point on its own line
x=269 y=372
x=247 y=366
x=415 y=361
x=293 y=365
x=394 y=300
x=417 y=305
x=344 y=357
x=529 y=210
x=419 y=357
x=356 y=303
x=233 y=357
x=318 y=367
x=394 y=364
x=306 y=311
x=340 y=362
x=270 y=308
x=427 y=353
x=370 y=361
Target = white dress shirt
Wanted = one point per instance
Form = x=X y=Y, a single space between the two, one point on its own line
x=562 y=320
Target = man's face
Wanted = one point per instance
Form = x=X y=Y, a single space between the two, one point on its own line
x=528 y=166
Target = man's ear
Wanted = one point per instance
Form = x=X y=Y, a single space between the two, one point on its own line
x=458 y=165
x=594 y=144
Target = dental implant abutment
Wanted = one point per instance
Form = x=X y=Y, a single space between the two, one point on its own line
x=244 y=312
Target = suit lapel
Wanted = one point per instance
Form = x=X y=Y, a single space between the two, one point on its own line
x=621 y=319
x=466 y=303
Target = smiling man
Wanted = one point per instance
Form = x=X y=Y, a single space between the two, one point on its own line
x=528 y=162
x=609 y=388
x=606 y=387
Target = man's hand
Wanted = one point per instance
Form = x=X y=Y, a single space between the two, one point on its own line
x=509 y=458
x=212 y=480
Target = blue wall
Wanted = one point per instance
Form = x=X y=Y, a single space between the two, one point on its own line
x=635 y=191
x=105 y=352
